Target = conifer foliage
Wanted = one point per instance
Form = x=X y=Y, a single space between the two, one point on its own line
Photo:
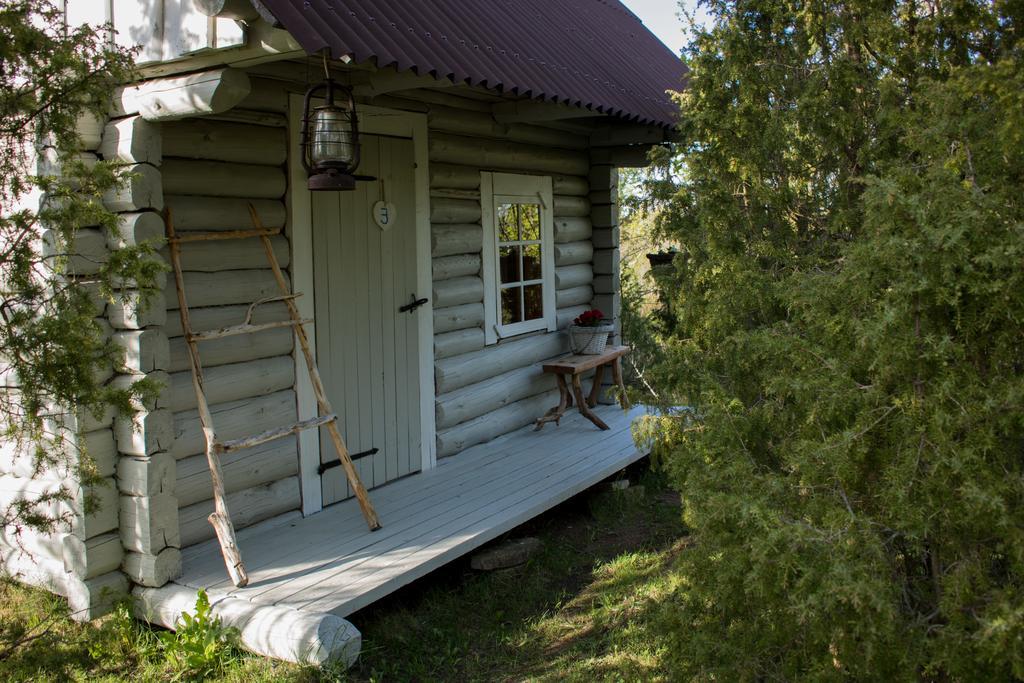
x=54 y=356
x=850 y=303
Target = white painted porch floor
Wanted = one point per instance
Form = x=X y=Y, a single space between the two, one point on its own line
x=330 y=562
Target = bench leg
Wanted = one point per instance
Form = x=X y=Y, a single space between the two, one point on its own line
x=595 y=388
x=564 y=401
x=581 y=403
x=617 y=376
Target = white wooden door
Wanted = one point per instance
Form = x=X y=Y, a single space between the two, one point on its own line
x=367 y=350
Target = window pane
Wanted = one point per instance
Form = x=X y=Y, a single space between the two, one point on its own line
x=508 y=229
x=529 y=215
x=531 y=262
x=511 y=307
x=533 y=297
x=508 y=257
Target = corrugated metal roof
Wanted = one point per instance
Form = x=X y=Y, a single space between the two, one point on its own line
x=587 y=53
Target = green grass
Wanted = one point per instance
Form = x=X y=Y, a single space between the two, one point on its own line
x=591 y=605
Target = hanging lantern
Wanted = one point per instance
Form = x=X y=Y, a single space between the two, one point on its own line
x=330 y=140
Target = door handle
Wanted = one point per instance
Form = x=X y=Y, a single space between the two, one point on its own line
x=413 y=305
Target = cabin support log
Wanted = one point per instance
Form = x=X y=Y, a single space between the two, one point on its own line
x=132 y=140
x=506 y=156
x=129 y=313
x=222 y=179
x=213 y=140
x=228 y=287
x=604 y=182
x=459 y=290
x=574 y=296
x=149 y=523
x=195 y=213
x=141 y=190
x=103 y=554
x=198 y=94
x=572 y=253
x=149 y=476
x=445 y=210
x=153 y=570
x=501 y=421
x=234 y=419
x=458 y=265
x=468 y=368
x=449 y=344
x=458 y=317
x=478 y=124
x=144 y=433
x=567 y=206
x=484 y=397
x=133 y=229
x=573 y=276
x=269 y=630
x=258 y=466
x=448 y=240
x=247 y=507
x=144 y=350
x=103 y=517
x=572 y=229
x=270 y=343
x=90 y=130
x=240 y=255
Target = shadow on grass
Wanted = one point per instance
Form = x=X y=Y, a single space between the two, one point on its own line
x=590 y=606
x=593 y=604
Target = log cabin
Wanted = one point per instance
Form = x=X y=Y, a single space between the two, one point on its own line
x=428 y=326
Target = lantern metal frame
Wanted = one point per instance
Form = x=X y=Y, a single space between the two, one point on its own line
x=330 y=175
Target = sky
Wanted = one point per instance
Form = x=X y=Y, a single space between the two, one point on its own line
x=660 y=17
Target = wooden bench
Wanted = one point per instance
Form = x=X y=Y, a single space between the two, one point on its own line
x=574 y=366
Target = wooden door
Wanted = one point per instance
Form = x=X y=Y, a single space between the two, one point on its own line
x=367 y=350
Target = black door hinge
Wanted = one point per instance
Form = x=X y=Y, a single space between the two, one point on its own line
x=353 y=456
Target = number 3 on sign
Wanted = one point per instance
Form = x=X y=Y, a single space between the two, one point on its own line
x=383 y=214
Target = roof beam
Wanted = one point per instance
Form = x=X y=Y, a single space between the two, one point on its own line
x=629 y=134
x=529 y=111
x=388 y=81
x=625 y=156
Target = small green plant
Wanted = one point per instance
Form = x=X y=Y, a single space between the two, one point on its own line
x=122 y=638
x=201 y=646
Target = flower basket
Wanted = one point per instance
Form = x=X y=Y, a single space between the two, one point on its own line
x=589 y=340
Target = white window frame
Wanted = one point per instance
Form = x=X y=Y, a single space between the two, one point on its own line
x=497 y=189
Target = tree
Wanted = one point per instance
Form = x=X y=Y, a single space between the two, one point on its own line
x=52 y=350
x=850 y=298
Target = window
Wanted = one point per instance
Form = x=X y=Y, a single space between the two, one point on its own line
x=518 y=258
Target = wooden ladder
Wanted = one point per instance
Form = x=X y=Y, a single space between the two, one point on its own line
x=219 y=518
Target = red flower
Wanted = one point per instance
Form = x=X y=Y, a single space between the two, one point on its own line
x=591 y=318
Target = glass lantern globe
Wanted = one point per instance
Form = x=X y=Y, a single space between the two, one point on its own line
x=330 y=140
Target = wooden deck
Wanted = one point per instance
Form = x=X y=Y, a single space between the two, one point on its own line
x=330 y=562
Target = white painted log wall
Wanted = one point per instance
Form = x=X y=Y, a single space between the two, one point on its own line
x=213 y=168
x=483 y=392
x=208 y=171
x=141 y=465
x=85 y=555
x=247 y=507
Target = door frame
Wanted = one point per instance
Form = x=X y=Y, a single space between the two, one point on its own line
x=372 y=121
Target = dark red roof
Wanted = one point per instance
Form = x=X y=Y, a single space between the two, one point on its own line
x=587 y=53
